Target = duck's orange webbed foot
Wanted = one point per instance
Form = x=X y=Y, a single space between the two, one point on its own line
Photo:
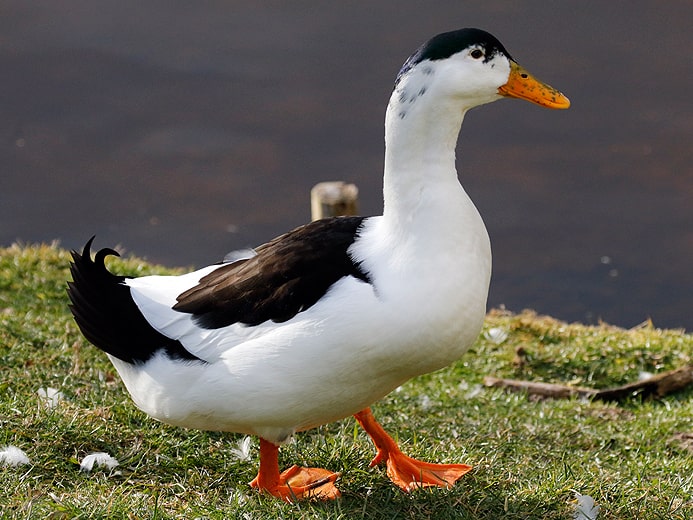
x=407 y=473
x=410 y=474
x=295 y=483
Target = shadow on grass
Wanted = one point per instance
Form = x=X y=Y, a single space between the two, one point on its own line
x=473 y=499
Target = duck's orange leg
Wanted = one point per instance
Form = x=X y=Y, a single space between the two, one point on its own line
x=294 y=483
x=407 y=473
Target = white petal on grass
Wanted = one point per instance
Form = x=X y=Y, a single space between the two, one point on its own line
x=97 y=459
x=496 y=335
x=424 y=402
x=242 y=452
x=644 y=375
x=475 y=391
x=13 y=456
x=585 y=508
x=237 y=497
x=51 y=396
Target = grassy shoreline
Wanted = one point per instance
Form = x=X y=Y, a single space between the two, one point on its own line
x=530 y=457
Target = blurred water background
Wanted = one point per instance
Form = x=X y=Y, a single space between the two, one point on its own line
x=183 y=130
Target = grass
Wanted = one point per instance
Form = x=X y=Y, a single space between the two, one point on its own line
x=530 y=457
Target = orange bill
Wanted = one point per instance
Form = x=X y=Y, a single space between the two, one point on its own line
x=521 y=84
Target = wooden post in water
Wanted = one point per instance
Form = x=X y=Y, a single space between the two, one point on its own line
x=333 y=199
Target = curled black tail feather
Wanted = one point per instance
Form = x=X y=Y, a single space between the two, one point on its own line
x=108 y=316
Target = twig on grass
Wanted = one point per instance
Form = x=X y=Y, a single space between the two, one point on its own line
x=659 y=386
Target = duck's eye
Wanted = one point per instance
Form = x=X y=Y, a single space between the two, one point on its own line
x=476 y=54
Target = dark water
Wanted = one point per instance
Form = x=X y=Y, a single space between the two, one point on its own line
x=183 y=130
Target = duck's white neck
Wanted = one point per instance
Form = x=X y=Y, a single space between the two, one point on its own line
x=420 y=138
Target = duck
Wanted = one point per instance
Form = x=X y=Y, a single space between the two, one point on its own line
x=321 y=322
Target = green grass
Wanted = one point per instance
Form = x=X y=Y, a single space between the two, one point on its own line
x=530 y=457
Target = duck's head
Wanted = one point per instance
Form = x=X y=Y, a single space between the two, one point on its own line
x=472 y=67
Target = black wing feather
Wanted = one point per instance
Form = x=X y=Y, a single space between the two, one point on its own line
x=288 y=275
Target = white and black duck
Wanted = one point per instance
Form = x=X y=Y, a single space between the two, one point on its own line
x=330 y=317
